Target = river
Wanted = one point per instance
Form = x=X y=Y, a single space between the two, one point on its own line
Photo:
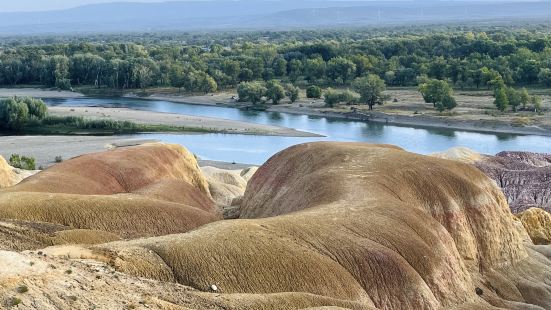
x=257 y=149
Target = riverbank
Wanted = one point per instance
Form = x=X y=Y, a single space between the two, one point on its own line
x=202 y=124
x=475 y=112
x=419 y=121
x=39 y=93
x=45 y=149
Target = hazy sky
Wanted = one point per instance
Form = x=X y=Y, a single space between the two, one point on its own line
x=42 y=5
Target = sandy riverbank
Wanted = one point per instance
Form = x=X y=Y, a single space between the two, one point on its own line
x=46 y=148
x=421 y=121
x=38 y=93
x=472 y=113
x=153 y=118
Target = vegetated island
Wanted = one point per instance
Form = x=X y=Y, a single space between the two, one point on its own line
x=25 y=115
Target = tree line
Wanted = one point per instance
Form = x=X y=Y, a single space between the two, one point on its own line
x=462 y=59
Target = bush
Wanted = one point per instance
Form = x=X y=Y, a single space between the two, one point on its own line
x=58 y=159
x=37 y=107
x=333 y=97
x=14 y=114
x=13 y=301
x=63 y=84
x=22 y=162
x=251 y=91
x=22 y=289
x=292 y=92
x=313 y=92
x=275 y=91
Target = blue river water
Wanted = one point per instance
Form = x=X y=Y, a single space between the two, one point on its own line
x=257 y=149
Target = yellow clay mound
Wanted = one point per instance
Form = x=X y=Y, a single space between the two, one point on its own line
x=149 y=190
x=7 y=176
x=356 y=226
x=461 y=154
x=226 y=185
x=122 y=170
x=537 y=223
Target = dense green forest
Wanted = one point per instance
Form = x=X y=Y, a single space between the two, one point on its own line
x=208 y=62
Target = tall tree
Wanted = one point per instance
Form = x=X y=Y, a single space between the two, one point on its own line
x=371 y=90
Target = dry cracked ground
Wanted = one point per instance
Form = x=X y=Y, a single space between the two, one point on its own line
x=319 y=226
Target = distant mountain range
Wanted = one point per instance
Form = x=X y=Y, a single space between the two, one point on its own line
x=248 y=14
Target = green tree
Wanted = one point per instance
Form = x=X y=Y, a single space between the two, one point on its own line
x=524 y=98
x=544 y=76
x=14 y=113
x=313 y=92
x=295 y=69
x=314 y=69
x=37 y=108
x=514 y=98
x=177 y=77
x=435 y=91
x=371 y=90
x=341 y=70
x=333 y=97
x=292 y=92
x=536 y=103
x=448 y=103
x=501 y=100
x=251 y=91
x=275 y=91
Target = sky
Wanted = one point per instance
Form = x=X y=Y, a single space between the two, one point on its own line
x=46 y=5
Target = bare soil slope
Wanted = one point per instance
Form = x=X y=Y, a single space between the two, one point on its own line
x=148 y=190
x=356 y=226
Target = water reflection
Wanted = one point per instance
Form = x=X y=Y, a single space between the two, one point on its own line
x=257 y=149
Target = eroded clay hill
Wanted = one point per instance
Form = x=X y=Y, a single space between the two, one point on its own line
x=10 y=176
x=537 y=223
x=148 y=190
x=355 y=226
x=6 y=174
x=524 y=177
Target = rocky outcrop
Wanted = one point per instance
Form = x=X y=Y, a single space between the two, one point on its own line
x=524 y=177
x=148 y=190
x=537 y=223
x=355 y=226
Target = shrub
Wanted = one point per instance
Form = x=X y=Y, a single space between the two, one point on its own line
x=37 y=107
x=58 y=159
x=13 y=301
x=313 y=92
x=14 y=114
x=63 y=84
x=292 y=92
x=251 y=91
x=333 y=97
x=22 y=289
x=22 y=162
x=275 y=91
